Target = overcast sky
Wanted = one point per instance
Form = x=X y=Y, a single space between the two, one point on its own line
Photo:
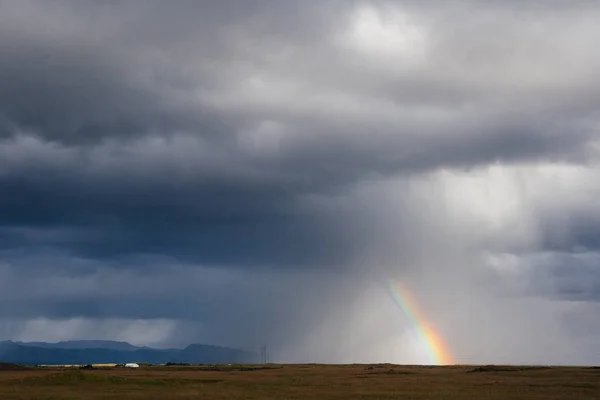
x=249 y=172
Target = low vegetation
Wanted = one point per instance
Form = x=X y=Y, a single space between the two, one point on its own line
x=383 y=381
x=4 y=366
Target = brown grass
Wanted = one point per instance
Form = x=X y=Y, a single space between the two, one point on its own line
x=305 y=382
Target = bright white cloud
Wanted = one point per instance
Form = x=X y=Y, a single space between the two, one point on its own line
x=390 y=34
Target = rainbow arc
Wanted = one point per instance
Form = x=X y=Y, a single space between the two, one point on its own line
x=438 y=352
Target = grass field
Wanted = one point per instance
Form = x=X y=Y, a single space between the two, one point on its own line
x=305 y=382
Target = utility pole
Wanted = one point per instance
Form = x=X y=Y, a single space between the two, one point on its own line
x=263 y=355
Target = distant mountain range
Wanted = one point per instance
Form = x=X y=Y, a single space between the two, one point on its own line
x=103 y=351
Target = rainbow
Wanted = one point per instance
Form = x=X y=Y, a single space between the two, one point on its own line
x=436 y=348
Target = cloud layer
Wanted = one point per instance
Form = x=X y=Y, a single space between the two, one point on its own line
x=244 y=173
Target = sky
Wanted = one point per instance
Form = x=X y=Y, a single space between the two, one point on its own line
x=248 y=173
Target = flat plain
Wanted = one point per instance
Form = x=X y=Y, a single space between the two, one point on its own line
x=379 y=381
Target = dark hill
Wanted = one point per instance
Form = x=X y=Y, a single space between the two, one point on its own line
x=48 y=353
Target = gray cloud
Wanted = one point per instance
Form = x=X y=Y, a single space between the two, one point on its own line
x=248 y=172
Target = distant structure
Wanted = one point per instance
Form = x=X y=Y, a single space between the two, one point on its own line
x=132 y=365
x=263 y=355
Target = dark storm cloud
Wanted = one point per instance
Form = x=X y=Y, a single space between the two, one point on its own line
x=577 y=232
x=177 y=201
x=78 y=82
x=212 y=218
x=570 y=276
x=83 y=71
